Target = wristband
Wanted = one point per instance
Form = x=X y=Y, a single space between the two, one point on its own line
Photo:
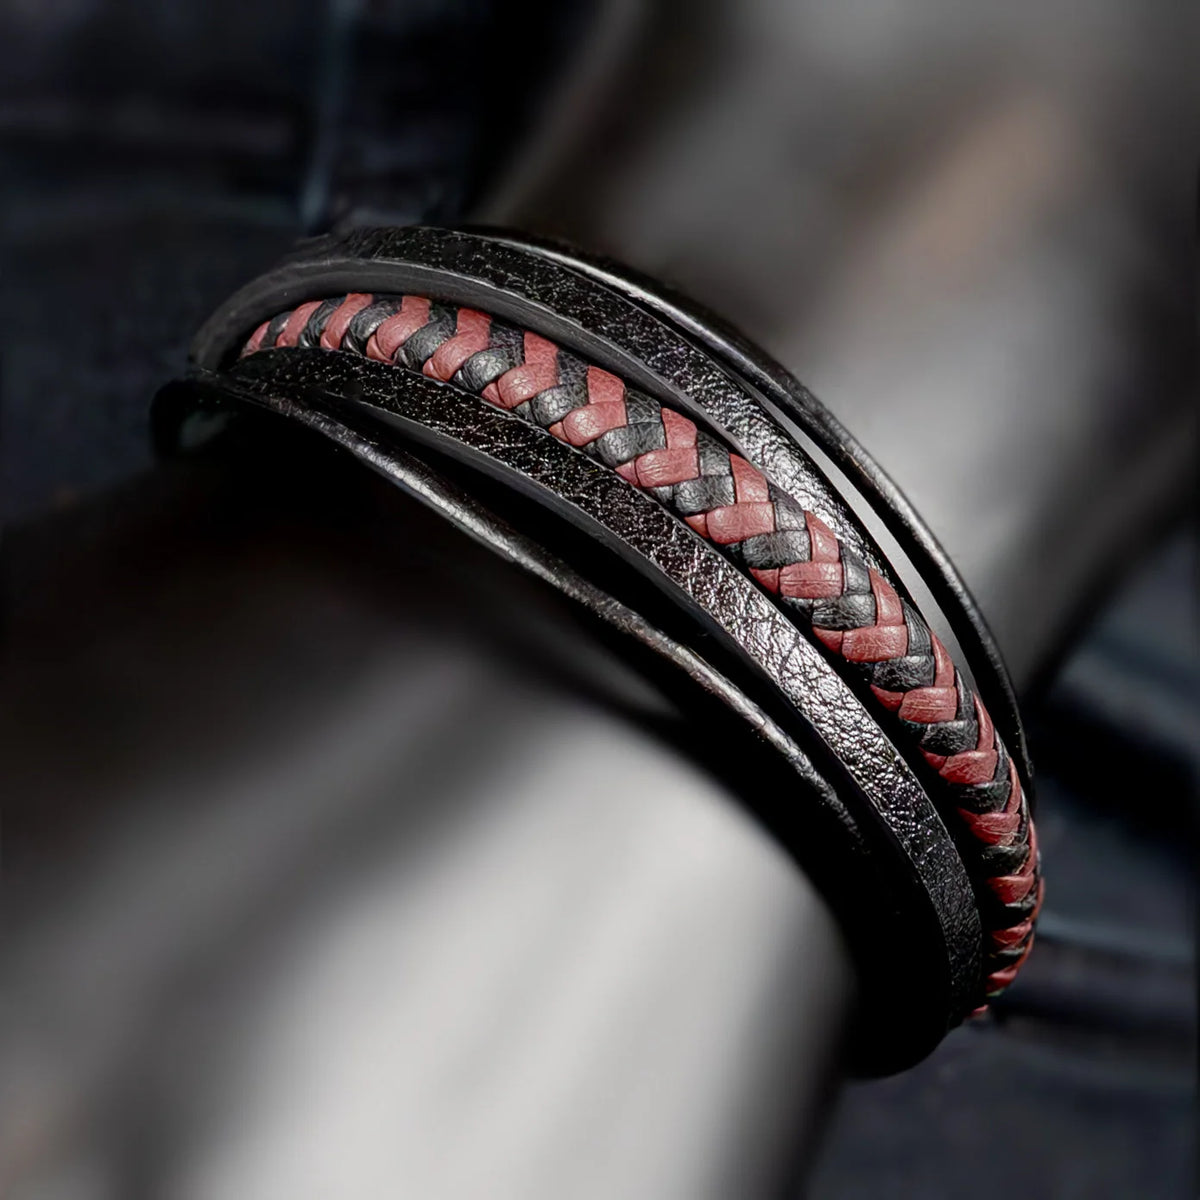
x=662 y=472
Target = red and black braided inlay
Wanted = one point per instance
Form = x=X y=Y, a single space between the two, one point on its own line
x=858 y=616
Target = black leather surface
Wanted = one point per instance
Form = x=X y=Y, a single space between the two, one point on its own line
x=466 y=268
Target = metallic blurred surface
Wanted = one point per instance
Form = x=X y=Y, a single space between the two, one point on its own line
x=353 y=881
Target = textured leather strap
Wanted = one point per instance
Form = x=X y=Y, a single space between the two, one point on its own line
x=835 y=587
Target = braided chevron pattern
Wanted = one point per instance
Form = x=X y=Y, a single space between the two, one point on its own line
x=857 y=615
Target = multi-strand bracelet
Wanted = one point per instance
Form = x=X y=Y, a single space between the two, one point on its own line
x=664 y=473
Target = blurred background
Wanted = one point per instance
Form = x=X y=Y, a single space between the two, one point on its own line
x=967 y=227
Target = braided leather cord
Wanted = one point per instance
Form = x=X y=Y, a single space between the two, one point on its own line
x=855 y=613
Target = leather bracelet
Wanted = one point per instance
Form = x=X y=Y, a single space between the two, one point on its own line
x=681 y=454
